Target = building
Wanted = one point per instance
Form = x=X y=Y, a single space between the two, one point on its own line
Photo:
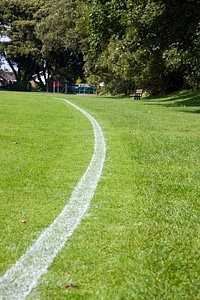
x=6 y=78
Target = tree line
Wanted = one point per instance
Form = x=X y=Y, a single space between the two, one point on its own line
x=129 y=44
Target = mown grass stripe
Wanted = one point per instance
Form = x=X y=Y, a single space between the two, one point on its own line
x=19 y=280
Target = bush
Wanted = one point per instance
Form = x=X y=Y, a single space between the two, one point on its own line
x=20 y=86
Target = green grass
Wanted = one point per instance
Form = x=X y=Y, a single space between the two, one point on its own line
x=140 y=237
x=45 y=148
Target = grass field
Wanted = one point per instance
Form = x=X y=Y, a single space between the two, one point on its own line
x=140 y=236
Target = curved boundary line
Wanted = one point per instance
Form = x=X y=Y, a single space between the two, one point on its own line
x=23 y=276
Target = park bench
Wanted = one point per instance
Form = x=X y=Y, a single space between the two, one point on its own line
x=138 y=94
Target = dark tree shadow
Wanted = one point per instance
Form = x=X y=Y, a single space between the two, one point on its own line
x=187 y=99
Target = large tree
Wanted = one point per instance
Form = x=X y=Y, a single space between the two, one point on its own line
x=22 y=49
x=41 y=40
x=60 y=39
x=161 y=36
x=182 y=31
x=105 y=55
x=153 y=44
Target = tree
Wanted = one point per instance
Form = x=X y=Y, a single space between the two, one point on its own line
x=22 y=50
x=162 y=37
x=168 y=31
x=42 y=39
x=106 y=57
x=182 y=53
x=153 y=44
x=56 y=30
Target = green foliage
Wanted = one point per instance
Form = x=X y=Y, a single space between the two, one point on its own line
x=149 y=44
x=106 y=21
x=153 y=29
x=20 y=86
x=42 y=38
x=22 y=50
x=56 y=28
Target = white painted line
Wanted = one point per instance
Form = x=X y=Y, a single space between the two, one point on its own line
x=19 y=280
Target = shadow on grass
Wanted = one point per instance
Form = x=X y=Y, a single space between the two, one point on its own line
x=181 y=99
x=113 y=96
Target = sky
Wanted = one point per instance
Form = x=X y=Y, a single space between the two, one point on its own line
x=4 y=65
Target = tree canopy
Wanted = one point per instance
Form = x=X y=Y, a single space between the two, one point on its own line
x=127 y=44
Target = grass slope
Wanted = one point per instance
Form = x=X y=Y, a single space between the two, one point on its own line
x=140 y=238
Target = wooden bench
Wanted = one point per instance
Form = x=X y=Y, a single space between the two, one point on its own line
x=138 y=94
